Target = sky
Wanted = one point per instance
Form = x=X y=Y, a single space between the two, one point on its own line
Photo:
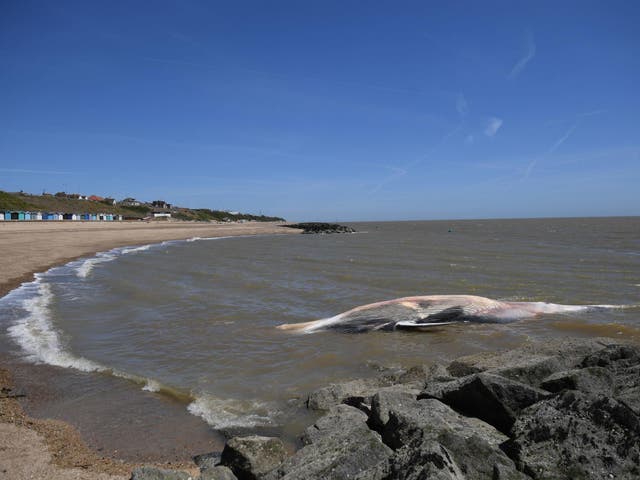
x=332 y=110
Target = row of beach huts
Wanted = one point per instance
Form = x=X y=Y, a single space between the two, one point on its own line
x=18 y=215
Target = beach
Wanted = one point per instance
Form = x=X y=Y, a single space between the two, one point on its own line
x=35 y=448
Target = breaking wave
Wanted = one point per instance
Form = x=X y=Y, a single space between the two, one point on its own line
x=229 y=413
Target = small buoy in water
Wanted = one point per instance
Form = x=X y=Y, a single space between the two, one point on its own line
x=450 y=230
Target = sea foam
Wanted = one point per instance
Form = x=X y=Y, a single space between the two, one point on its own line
x=229 y=413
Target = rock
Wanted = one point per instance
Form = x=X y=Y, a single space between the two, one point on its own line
x=425 y=460
x=531 y=363
x=326 y=397
x=217 y=473
x=207 y=460
x=151 y=473
x=384 y=401
x=433 y=441
x=251 y=457
x=590 y=380
x=429 y=418
x=342 y=420
x=614 y=356
x=577 y=435
x=494 y=399
x=339 y=445
x=317 y=227
x=624 y=362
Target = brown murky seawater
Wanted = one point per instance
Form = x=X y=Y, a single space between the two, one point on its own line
x=146 y=343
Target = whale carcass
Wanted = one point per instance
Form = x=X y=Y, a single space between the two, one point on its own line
x=429 y=311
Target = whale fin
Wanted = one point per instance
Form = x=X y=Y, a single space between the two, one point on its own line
x=420 y=326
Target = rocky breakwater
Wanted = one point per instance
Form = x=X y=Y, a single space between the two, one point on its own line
x=321 y=228
x=564 y=410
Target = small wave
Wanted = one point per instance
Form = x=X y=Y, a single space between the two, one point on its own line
x=228 y=413
x=38 y=338
x=142 y=248
x=84 y=267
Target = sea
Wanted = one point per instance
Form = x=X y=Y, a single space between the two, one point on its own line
x=175 y=342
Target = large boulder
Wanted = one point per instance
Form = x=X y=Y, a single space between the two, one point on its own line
x=624 y=362
x=206 y=461
x=494 y=399
x=589 y=379
x=386 y=400
x=433 y=441
x=532 y=362
x=429 y=418
x=339 y=445
x=425 y=459
x=151 y=473
x=575 y=435
x=251 y=457
x=341 y=420
x=217 y=473
x=355 y=390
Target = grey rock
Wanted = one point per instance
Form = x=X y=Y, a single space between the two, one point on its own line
x=151 y=473
x=613 y=356
x=624 y=362
x=424 y=460
x=429 y=419
x=384 y=401
x=590 y=379
x=341 y=420
x=251 y=457
x=531 y=362
x=326 y=397
x=575 y=435
x=340 y=445
x=433 y=441
x=207 y=460
x=217 y=473
x=494 y=399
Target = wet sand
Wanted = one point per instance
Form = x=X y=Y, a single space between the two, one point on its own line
x=38 y=448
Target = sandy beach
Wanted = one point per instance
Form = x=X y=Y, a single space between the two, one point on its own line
x=47 y=449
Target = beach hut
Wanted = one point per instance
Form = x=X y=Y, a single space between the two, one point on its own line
x=36 y=216
x=119 y=218
x=27 y=215
x=67 y=216
x=20 y=215
x=94 y=217
x=1 y=216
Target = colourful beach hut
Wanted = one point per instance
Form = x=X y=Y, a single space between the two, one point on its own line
x=20 y=215
x=27 y=215
x=94 y=217
x=1 y=216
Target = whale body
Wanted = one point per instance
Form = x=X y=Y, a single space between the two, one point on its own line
x=433 y=310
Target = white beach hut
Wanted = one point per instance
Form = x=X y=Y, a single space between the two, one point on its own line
x=1 y=216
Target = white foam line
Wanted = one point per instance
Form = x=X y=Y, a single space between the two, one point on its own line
x=37 y=337
x=227 y=413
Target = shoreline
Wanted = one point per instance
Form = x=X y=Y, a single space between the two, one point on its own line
x=54 y=448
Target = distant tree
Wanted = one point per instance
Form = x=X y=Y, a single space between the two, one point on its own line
x=61 y=195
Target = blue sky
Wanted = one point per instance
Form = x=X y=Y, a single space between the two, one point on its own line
x=327 y=110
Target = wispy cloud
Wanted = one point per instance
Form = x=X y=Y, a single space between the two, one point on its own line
x=35 y=172
x=401 y=171
x=461 y=105
x=563 y=138
x=493 y=125
x=469 y=139
x=530 y=47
